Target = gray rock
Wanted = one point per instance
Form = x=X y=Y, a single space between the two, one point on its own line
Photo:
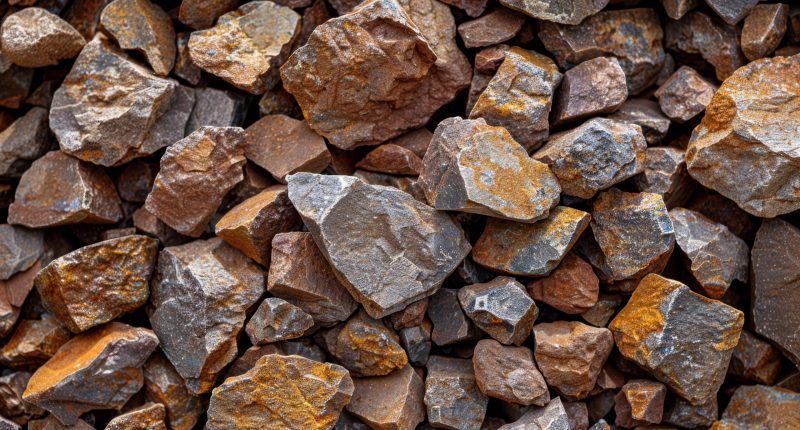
x=450 y=323
x=417 y=342
x=732 y=11
x=216 y=108
x=452 y=396
x=566 y=12
x=665 y=173
x=20 y=248
x=27 y=139
x=501 y=308
x=697 y=33
x=276 y=319
x=680 y=412
x=647 y=115
x=15 y=83
x=550 y=417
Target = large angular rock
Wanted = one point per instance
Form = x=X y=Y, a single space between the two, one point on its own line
x=20 y=248
x=509 y=373
x=749 y=122
x=761 y=407
x=572 y=287
x=591 y=88
x=501 y=308
x=551 y=417
x=665 y=173
x=24 y=141
x=478 y=168
x=163 y=384
x=99 y=369
x=452 y=397
x=386 y=248
x=647 y=115
x=142 y=26
x=684 y=339
x=567 y=12
x=450 y=323
x=34 y=37
x=685 y=94
x=276 y=319
x=717 y=43
x=401 y=66
x=763 y=29
x=33 y=343
x=198 y=299
x=388 y=402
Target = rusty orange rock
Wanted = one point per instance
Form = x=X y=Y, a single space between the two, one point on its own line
x=142 y=26
x=33 y=343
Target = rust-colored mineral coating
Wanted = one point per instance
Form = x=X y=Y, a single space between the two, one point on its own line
x=676 y=9
x=763 y=30
x=392 y=159
x=33 y=343
x=284 y=145
x=149 y=416
x=519 y=96
x=60 y=190
x=572 y=287
x=640 y=402
x=450 y=324
x=755 y=360
x=717 y=43
x=34 y=37
x=382 y=85
x=452 y=396
x=196 y=173
x=633 y=36
x=22 y=142
x=685 y=94
x=391 y=402
x=509 y=373
x=684 y=339
x=732 y=11
x=20 y=249
x=591 y=88
x=201 y=14
x=142 y=26
x=647 y=115
x=761 y=407
x=492 y=28
x=571 y=354
x=251 y=225
x=412 y=315
x=98 y=283
x=665 y=173
x=13 y=293
x=276 y=319
x=163 y=384
x=281 y=392
x=563 y=12
x=247 y=46
x=99 y=369
x=501 y=308
x=530 y=249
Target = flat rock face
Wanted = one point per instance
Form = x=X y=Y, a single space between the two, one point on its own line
x=551 y=417
x=669 y=330
x=99 y=369
x=196 y=173
x=20 y=248
x=519 y=96
x=763 y=29
x=27 y=139
x=450 y=323
x=564 y=12
x=198 y=299
x=98 y=283
x=142 y=26
x=452 y=397
x=391 y=159
x=494 y=27
x=276 y=319
x=530 y=249
x=752 y=119
x=60 y=190
x=678 y=411
x=385 y=247
x=501 y=308
x=509 y=373
x=755 y=360
x=149 y=416
x=717 y=43
x=640 y=402
x=685 y=94
x=200 y=14
x=759 y=406
x=33 y=343
x=393 y=401
x=572 y=287
x=478 y=168
x=163 y=384
x=34 y=37
x=665 y=173
x=281 y=392
x=402 y=65
x=732 y=11
x=647 y=115
x=591 y=88
x=258 y=36
x=217 y=108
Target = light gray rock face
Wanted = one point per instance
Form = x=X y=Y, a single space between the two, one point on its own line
x=452 y=396
x=19 y=249
x=388 y=249
x=216 y=108
x=550 y=417
x=27 y=139
x=563 y=12
x=501 y=308
x=665 y=173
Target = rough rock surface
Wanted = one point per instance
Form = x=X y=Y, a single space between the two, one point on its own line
x=755 y=360
x=591 y=88
x=13 y=294
x=20 y=248
x=276 y=319
x=492 y=28
x=163 y=384
x=763 y=29
x=24 y=141
x=678 y=411
x=697 y=33
x=284 y=145
x=149 y=416
x=732 y=11
x=33 y=343
x=501 y=308
x=34 y=37
x=452 y=397
x=388 y=402
x=565 y=12
x=217 y=108
x=201 y=14
x=509 y=373
x=391 y=159
x=759 y=406
x=450 y=323
x=142 y=26
x=417 y=342
x=136 y=180
x=572 y=287
x=685 y=94
x=647 y=115
x=665 y=173
x=640 y=402
x=550 y=417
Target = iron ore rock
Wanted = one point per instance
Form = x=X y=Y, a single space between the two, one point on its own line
x=640 y=402
x=20 y=248
x=142 y=26
x=492 y=28
x=759 y=406
x=509 y=373
x=501 y=308
x=450 y=324
x=201 y=14
x=566 y=12
x=572 y=287
x=647 y=115
x=452 y=397
x=34 y=37
x=276 y=319
x=763 y=30
x=717 y=43
x=755 y=360
x=149 y=416
x=24 y=141
x=551 y=417
x=591 y=88
x=665 y=173
x=13 y=294
x=685 y=94
x=163 y=384
x=33 y=343
x=732 y=11
x=388 y=402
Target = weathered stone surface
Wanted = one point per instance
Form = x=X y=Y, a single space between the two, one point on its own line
x=34 y=37
x=755 y=360
x=50 y=422
x=196 y=173
x=749 y=120
x=276 y=319
x=478 y=168
x=59 y=190
x=567 y=12
x=724 y=211
x=411 y=316
x=684 y=339
x=452 y=397
x=572 y=287
x=501 y=308
x=420 y=69
x=15 y=83
x=417 y=342
x=715 y=256
x=392 y=159
x=145 y=222
x=594 y=156
x=472 y=8
x=200 y=14
x=391 y=402
x=99 y=369
x=184 y=66
x=299 y=274
x=602 y=311
x=20 y=248
x=640 y=402
x=302 y=347
x=27 y=139
x=450 y=323
x=550 y=417
x=775 y=295
x=633 y=36
x=281 y=392
x=758 y=406
x=678 y=411
x=571 y=354
x=647 y=115
x=12 y=406
x=33 y=343
x=149 y=416
x=494 y=27
x=98 y=283
x=593 y=87
x=665 y=173
x=258 y=36
x=142 y=26
x=578 y=415
x=509 y=373
x=163 y=384
x=519 y=96
x=685 y=94
x=402 y=251
x=530 y=249
x=217 y=108
x=697 y=33
x=764 y=27
x=198 y=299
x=284 y=145
x=6 y=424
x=13 y=293
x=732 y=11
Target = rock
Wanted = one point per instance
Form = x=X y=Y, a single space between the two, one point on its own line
x=685 y=94
x=572 y=287
x=276 y=319
x=578 y=415
x=255 y=181
x=33 y=343
x=299 y=274
x=602 y=311
x=201 y=14
x=278 y=102
x=420 y=69
x=184 y=66
x=412 y=315
x=569 y=12
x=58 y=190
x=732 y=11
x=609 y=378
x=99 y=369
x=217 y=108
x=758 y=406
x=403 y=183
x=755 y=360
x=665 y=173
x=450 y=323
x=27 y=139
x=494 y=27
x=7 y=424
x=387 y=402
x=647 y=115
x=196 y=173
x=633 y=36
x=715 y=256
x=745 y=123
x=198 y=299
x=509 y=374
x=84 y=16
x=136 y=180
x=163 y=384
x=571 y=354
x=640 y=402
x=697 y=33
x=403 y=250
x=764 y=27
x=478 y=168
x=452 y=397
x=594 y=156
x=302 y=347
x=147 y=223
x=472 y=8
x=15 y=83
x=50 y=422
x=667 y=329
x=392 y=159
x=519 y=96
x=284 y=145
x=724 y=211
x=149 y=416
x=142 y=26
x=11 y=404
x=677 y=8
x=530 y=249
x=251 y=226
x=417 y=342
x=550 y=417
x=20 y=248
x=98 y=283
x=34 y=37
x=501 y=308
x=591 y=88
x=678 y=411
x=774 y=286
x=13 y=293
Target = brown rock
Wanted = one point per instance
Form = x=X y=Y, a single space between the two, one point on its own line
x=755 y=360
x=276 y=319
x=392 y=159
x=50 y=422
x=494 y=27
x=407 y=184
x=764 y=27
x=20 y=249
x=640 y=402
x=578 y=415
x=11 y=404
x=602 y=311
x=145 y=222
x=391 y=402
x=473 y=8
x=732 y=11
x=685 y=94
x=142 y=26
x=697 y=33
x=34 y=37
x=450 y=323
x=647 y=115
x=149 y=416
x=550 y=417
x=255 y=181
x=665 y=173
x=591 y=88
x=200 y=14
x=757 y=406
x=452 y=397
x=572 y=287
x=33 y=343
x=23 y=141
x=302 y=347
x=509 y=373
x=278 y=102
x=501 y=308
x=724 y=211
x=84 y=16
x=15 y=83
x=411 y=316
x=13 y=293
x=136 y=180
x=184 y=66
x=163 y=384
x=676 y=9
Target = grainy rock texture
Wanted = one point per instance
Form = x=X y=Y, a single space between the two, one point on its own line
x=763 y=29
x=35 y=37
x=450 y=323
x=566 y=12
x=20 y=248
x=452 y=397
x=501 y=308
x=284 y=145
x=393 y=401
x=759 y=406
x=142 y=26
x=149 y=416
x=697 y=33
x=591 y=88
x=685 y=94
x=509 y=373
x=276 y=319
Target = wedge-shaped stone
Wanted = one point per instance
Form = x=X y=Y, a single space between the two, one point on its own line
x=717 y=43
x=13 y=294
x=35 y=37
x=391 y=159
x=509 y=373
x=142 y=26
x=163 y=384
x=276 y=319
x=732 y=11
x=501 y=308
x=12 y=385
x=391 y=402
x=149 y=416
x=567 y=12
x=24 y=141
x=20 y=248
x=452 y=397
x=284 y=145
x=492 y=28
x=685 y=94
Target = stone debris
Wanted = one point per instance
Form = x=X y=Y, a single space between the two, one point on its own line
x=276 y=319
x=492 y=28
x=391 y=159
x=665 y=173
x=452 y=397
x=23 y=142
x=12 y=385
x=412 y=315
x=33 y=343
x=163 y=384
x=450 y=324
x=647 y=115
x=501 y=308
x=676 y=9
x=759 y=406
x=678 y=411
x=393 y=401
x=685 y=94
x=142 y=26
x=697 y=33
x=149 y=416
x=593 y=87
x=640 y=402
x=600 y=314
x=763 y=29
x=184 y=66
x=472 y=8
x=755 y=360
x=568 y=12
x=509 y=373
x=34 y=37
x=724 y=211
x=572 y=287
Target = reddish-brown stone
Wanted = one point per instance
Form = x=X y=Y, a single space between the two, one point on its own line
x=284 y=145
x=572 y=287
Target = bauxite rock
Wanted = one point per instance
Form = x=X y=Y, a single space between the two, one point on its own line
x=697 y=33
x=27 y=139
x=593 y=87
x=391 y=402
x=276 y=319
x=752 y=120
x=685 y=94
x=665 y=173
x=572 y=287
x=684 y=339
x=20 y=248
x=509 y=373
x=763 y=30
x=163 y=384
x=452 y=396
x=149 y=416
x=501 y=308
x=34 y=37
x=142 y=26
x=566 y=12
